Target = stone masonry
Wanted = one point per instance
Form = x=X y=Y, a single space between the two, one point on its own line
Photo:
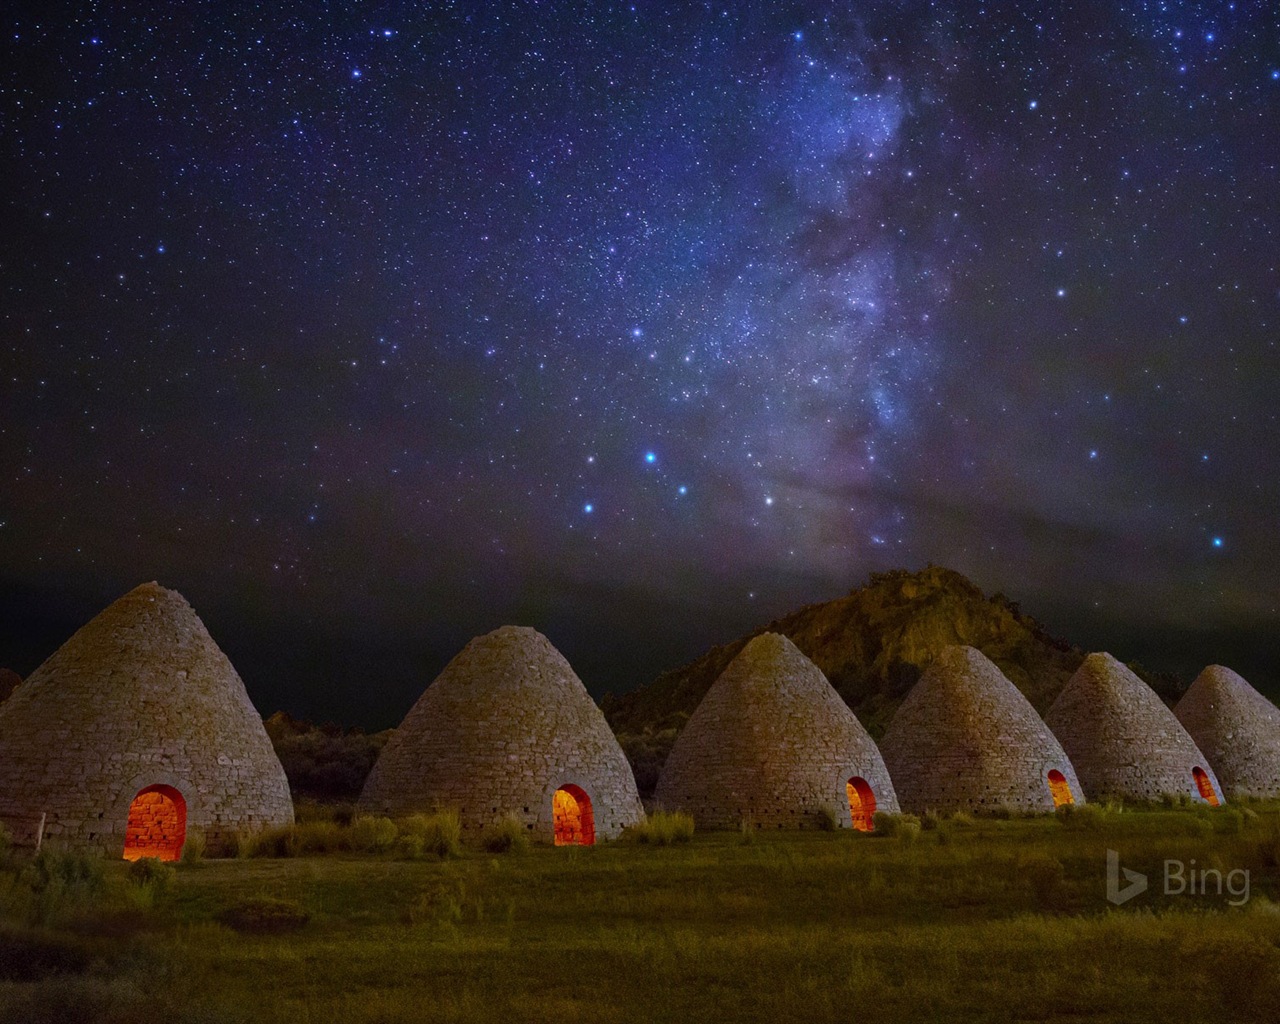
x=771 y=745
x=1122 y=738
x=1237 y=729
x=966 y=739
x=504 y=726
x=141 y=696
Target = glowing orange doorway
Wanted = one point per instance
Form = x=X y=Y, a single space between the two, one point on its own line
x=575 y=822
x=862 y=804
x=1205 y=785
x=1059 y=789
x=157 y=824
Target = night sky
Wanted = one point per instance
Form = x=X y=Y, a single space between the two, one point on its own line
x=372 y=327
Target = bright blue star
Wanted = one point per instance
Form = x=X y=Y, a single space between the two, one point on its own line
x=1217 y=542
x=1062 y=293
x=636 y=332
x=797 y=36
x=1033 y=104
x=1093 y=454
x=588 y=508
x=682 y=489
x=650 y=457
x=160 y=248
x=1275 y=75
x=356 y=72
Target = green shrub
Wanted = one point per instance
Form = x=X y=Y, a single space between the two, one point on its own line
x=320 y=836
x=930 y=821
x=264 y=915
x=439 y=834
x=61 y=881
x=1228 y=821
x=889 y=825
x=663 y=828
x=909 y=831
x=961 y=819
x=193 y=849
x=372 y=834
x=152 y=875
x=1081 y=817
x=280 y=841
x=746 y=832
x=1046 y=877
x=506 y=836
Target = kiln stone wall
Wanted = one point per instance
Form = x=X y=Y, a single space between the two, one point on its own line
x=504 y=726
x=966 y=739
x=1122 y=738
x=771 y=744
x=1237 y=729
x=140 y=696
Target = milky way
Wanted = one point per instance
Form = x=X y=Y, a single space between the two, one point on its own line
x=372 y=328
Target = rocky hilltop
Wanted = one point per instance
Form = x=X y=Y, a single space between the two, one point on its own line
x=873 y=644
x=9 y=681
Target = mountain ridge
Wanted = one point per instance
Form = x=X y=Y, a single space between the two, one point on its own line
x=872 y=644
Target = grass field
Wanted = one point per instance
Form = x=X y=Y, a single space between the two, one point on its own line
x=966 y=920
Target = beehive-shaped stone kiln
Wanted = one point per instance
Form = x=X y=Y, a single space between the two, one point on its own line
x=1123 y=740
x=1237 y=729
x=966 y=739
x=136 y=731
x=772 y=745
x=508 y=729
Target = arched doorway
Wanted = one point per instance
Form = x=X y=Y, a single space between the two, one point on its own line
x=862 y=804
x=575 y=822
x=1205 y=785
x=1059 y=789
x=157 y=825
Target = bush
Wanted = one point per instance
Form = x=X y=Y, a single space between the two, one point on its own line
x=152 y=875
x=438 y=834
x=60 y=880
x=281 y=841
x=372 y=834
x=265 y=915
x=321 y=837
x=663 y=828
x=1229 y=821
x=1081 y=817
x=1046 y=878
x=194 y=847
x=506 y=836
x=890 y=825
x=930 y=821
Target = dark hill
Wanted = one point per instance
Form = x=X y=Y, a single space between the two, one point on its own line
x=9 y=681
x=872 y=644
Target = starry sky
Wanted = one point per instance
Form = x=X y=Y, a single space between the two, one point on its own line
x=373 y=326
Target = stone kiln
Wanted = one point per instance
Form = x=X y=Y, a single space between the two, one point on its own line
x=773 y=745
x=966 y=739
x=1237 y=729
x=136 y=731
x=508 y=729
x=1123 y=740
